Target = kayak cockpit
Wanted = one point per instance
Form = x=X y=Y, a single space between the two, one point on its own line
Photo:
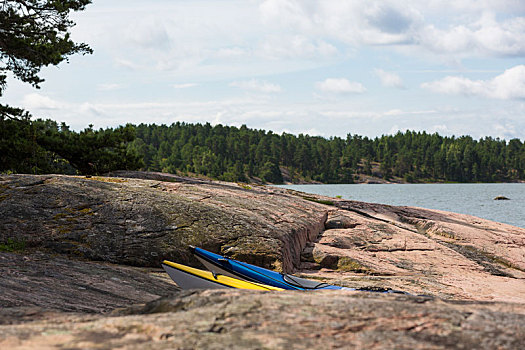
x=303 y=283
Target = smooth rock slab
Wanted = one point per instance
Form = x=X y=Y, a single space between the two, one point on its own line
x=235 y=319
x=142 y=222
x=38 y=284
x=420 y=251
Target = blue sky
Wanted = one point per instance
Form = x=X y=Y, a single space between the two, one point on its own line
x=319 y=67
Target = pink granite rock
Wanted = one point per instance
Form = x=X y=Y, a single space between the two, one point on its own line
x=64 y=242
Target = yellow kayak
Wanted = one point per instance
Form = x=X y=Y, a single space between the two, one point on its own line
x=188 y=277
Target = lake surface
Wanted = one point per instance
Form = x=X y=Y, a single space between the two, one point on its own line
x=473 y=199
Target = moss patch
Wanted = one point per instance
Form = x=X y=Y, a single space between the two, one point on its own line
x=64 y=229
x=107 y=179
x=12 y=245
x=449 y=235
x=501 y=261
x=85 y=211
x=3 y=195
x=320 y=201
x=305 y=196
x=485 y=259
x=347 y=264
x=59 y=216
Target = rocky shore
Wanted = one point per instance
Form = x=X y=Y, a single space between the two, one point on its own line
x=79 y=268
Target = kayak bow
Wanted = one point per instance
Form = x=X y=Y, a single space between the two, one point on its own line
x=188 y=277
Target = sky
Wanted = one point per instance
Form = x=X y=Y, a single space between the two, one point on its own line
x=327 y=68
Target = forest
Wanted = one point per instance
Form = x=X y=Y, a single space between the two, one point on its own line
x=244 y=155
x=238 y=154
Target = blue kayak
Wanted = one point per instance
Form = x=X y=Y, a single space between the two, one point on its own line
x=220 y=265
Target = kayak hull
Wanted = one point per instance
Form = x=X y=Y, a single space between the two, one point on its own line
x=188 y=281
x=187 y=277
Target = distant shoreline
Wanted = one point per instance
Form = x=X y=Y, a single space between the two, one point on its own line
x=379 y=181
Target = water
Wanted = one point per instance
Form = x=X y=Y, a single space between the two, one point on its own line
x=473 y=199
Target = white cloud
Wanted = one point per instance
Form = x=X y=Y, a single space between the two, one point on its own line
x=184 y=86
x=332 y=118
x=389 y=79
x=346 y=21
x=485 y=36
x=257 y=85
x=231 y=52
x=504 y=130
x=127 y=64
x=148 y=33
x=393 y=112
x=109 y=87
x=508 y=85
x=37 y=101
x=90 y=109
x=472 y=28
x=470 y=6
x=340 y=86
x=295 y=46
x=388 y=18
x=285 y=35
x=287 y=13
x=439 y=128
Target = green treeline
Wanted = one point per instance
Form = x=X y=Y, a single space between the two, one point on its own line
x=43 y=146
x=243 y=154
x=237 y=154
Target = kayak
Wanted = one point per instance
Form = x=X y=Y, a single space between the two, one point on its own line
x=188 y=277
x=219 y=264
